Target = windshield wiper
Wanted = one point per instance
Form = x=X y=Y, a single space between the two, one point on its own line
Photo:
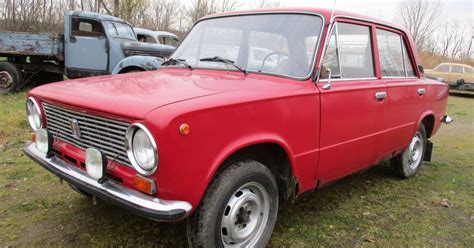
x=172 y=61
x=225 y=61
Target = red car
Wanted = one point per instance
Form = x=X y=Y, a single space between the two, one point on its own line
x=252 y=108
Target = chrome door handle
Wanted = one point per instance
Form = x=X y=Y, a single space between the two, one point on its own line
x=380 y=95
x=421 y=91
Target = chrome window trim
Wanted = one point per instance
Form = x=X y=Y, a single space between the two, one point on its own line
x=312 y=66
x=129 y=148
x=348 y=79
x=36 y=104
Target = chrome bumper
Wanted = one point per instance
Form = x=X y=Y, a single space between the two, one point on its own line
x=132 y=200
x=447 y=119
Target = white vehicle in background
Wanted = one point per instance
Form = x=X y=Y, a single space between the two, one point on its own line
x=157 y=37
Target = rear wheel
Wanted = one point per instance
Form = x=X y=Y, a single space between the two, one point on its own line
x=408 y=163
x=10 y=78
x=238 y=210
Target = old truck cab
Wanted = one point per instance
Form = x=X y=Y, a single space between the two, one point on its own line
x=252 y=108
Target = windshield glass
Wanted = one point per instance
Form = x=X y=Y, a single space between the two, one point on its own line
x=267 y=43
x=120 y=30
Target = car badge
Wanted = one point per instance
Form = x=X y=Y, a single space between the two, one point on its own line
x=75 y=130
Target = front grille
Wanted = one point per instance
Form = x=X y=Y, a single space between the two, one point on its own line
x=96 y=132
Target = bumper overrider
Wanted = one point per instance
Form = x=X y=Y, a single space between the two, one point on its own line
x=132 y=200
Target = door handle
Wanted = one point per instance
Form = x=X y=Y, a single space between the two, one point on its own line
x=421 y=91
x=380 y=95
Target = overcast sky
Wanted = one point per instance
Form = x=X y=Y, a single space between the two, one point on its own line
x=382 y=9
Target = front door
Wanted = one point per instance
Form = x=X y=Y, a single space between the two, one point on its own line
x=86 y=51
x=353 y=109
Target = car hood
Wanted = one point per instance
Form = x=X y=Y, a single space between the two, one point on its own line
x=146 y=47
x=132 y=95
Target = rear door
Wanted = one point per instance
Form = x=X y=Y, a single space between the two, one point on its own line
x=86 y=50
x=405 y=93
x=353 y=109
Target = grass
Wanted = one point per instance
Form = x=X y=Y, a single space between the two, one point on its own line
x=373 y=208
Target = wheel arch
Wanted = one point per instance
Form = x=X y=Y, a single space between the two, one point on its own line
x=428 y=120
x=273 y=152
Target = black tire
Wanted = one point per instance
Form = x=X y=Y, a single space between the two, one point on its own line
x=80 y=191
x=10 y=78
x=403 y=163
x=205 y=229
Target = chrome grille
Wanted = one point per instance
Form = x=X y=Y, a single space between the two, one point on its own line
x=104 y=134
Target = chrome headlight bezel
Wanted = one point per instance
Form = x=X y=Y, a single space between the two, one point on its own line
x=30 y=114
x=129 y=136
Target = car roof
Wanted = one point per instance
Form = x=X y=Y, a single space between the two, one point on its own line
x=153 y=33
x=458 y=64
x=326 y=13
x=97 y=16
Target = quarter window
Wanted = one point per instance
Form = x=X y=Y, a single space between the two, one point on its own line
x=349 y=52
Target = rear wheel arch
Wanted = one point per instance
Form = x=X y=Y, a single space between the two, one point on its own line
x=131 y=69
x=428 y=121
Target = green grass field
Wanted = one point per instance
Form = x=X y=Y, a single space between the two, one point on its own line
x=374 y=208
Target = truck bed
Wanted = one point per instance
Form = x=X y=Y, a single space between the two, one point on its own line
x=32 y=44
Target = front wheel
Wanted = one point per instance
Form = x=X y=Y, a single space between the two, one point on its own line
x=408 y=163
x=238 y=210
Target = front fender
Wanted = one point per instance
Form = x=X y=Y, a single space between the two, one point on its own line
x=147 y=63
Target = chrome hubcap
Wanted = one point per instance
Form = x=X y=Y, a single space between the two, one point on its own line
x=415 y=151
x=6 y=80
x=245 y=216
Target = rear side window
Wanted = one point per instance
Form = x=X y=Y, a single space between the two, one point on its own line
x=394 y=57
x=456 y=69
x=349 y=52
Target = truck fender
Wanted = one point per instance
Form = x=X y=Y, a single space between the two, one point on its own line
x=145 y=63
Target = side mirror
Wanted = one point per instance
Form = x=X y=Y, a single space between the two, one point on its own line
x=422 y=70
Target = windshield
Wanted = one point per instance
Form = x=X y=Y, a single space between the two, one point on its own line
x=120 y=30
x=267 y=43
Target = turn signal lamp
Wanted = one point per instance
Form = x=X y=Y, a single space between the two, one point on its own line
x=144 y=184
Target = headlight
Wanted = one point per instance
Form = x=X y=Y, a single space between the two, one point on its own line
x=35 y=117
x=141 y=149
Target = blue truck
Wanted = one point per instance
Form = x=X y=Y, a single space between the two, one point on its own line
x=92 y=44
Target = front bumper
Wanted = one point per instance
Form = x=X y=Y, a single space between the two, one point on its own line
x=132 y=200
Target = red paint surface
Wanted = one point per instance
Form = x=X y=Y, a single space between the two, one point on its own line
x=326 y=134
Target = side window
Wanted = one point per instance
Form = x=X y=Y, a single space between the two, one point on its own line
x=394 y=56
x=443 y=68
x=456 y=69
x=86 y=27
x=467 y=70
x=350 y=49
x=390 y=53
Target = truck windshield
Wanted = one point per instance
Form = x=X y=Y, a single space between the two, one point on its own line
x=120 y=30
x=283 y=44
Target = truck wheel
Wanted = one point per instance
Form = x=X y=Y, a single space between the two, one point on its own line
x=10 y=78
x=239 y=209
x=409 y=162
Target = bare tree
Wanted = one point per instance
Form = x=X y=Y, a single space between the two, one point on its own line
x=266 y=4
x=420 y=18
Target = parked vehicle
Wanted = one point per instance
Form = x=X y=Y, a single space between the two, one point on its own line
x=208 y=140
x=157 y=37
x=92 y=45
x=458 y=76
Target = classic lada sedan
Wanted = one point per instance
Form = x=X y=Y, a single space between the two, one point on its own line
x=220 y=138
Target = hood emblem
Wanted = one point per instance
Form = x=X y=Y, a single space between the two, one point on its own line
x=75 y=130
